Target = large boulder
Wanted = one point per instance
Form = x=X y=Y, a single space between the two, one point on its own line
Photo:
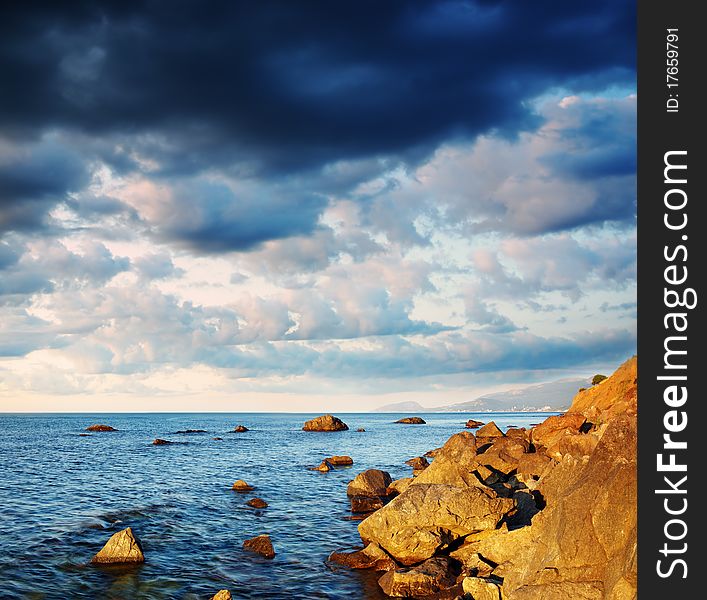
x=503 y=454
x=490 y=430
x=399 y=486
x=454 y=463
x=372 y=482
x=431 y=577
x=616 y=395
x=260 y=544
x=427 y=518
x=549 y=432
x=122 y=547
x=325 y=423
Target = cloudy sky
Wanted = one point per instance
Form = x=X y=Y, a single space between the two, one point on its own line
x=282 y=206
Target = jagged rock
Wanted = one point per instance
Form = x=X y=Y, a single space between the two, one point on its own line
x=553 y=428
x=503 y=454
x=161 y=442
x=583 y=543
x=428 y=517
x=454 y=463
x=222 y=595
x=419 y=463
x=412 y=421
x=481 y=589
x=399 y=486
x=432 y=453
x=242 y=486
x=473 y=424
x=260 y=544
x=519 y=433
x=99 y=427
x=257 y=503
x=372 y=482
x=240 y=429
x=325 y=466
x=371 y=557
x=485 y=434
x=325 y=423
x=616 y=395
x=431 y=577
x=122 y=547
x=366 y=504
x=534 y=463
x=472 y=561
x=340 y=461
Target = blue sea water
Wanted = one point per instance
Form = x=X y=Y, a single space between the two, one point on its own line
x=63 y=495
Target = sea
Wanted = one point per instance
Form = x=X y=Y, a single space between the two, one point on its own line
x=63 y=494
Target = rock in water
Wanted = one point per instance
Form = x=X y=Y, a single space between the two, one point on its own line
x=222 y=595
x=411 y=421
x=340 y=461
x=419 y=463
x=426 y=518
x=366 y=504
x=99 y=427
x=241 y=429
x=325 y=423
x=242 y=486
x=260 y=544
x=361 y=430
x=257 y=503
x=324 y=467
x=431 y=577
x=122 y=547
x=161 y=442
x=371 y=557
x=473 y=424
x=371 y=482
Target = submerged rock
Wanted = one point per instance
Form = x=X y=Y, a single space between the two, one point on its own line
x=325 y=423
x=222 y=595
x=99 y=427
x=360 y=430
x=260 y=544
x=432 y=576
x=242 y=486
x=188 y=431
x=240 y=429
x=257 y=503
x=122 y=547
x=412 y=421
x=217 y=439
x=161 y=442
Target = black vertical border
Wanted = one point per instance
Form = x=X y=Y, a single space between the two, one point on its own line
x=660 y=131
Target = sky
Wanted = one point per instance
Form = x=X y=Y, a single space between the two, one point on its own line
x=312 y=206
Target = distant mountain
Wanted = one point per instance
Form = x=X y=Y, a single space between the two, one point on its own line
x=555 y=396
x=401 y=407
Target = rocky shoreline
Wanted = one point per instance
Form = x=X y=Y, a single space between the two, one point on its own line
x=547 y=513
x=544 y=513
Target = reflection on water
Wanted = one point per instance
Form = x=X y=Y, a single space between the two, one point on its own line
x=64 y=494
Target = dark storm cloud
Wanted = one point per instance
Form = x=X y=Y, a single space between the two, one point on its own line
x=285 y=86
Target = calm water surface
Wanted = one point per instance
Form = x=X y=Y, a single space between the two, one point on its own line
x=63 y=495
